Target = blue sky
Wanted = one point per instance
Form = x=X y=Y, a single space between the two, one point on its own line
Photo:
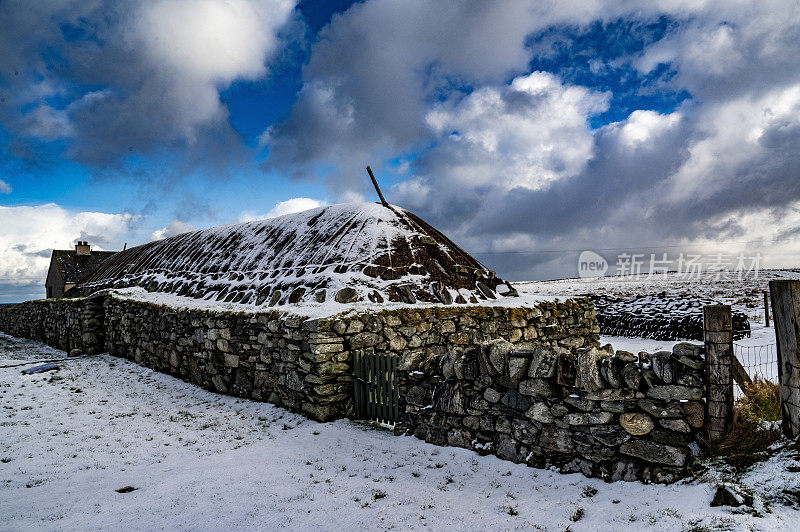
x=519 y=129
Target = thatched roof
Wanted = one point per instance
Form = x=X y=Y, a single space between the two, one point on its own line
x=362 y=251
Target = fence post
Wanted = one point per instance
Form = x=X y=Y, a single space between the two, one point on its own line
x=718 y=327
x=766 y=308
x=786 y=315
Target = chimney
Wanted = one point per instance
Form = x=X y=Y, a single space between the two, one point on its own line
x=83 y=248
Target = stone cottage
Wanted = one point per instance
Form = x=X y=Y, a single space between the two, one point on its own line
x=366 y=311
x=68 y=266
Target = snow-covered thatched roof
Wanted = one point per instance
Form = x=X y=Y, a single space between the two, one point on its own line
x=346 y=252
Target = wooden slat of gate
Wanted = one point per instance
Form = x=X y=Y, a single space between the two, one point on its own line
x=384 y=372
x=356 y=388
x=358 y=365
x=373 y=379
x=387 y=380
x=381 y=380
x=370 y=389
x=387 y=392
x=395 y=392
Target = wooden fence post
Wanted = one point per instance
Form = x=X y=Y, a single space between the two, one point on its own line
x=786 y=316
x=718 y=327
x=766 y=308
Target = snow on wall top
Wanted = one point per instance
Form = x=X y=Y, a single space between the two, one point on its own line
x=346 y=252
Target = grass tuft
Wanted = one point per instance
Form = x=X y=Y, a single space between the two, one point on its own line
x=762 y=400
x=747 y=442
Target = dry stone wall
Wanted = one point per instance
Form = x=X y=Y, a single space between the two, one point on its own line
x=529 y=385
x=265 y=356
x=306 y=364
x=605 y=414
x=300 y=363
x=61 y=323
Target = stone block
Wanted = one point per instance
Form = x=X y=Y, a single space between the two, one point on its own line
x=660 y=409
x=459 y=438
x=543 y=362
x=540 y=412
x=524 y=431
x=610 y=435
x=364 y=339
x=676 y=425
x=636 y=424
x=610 y=394
x=588 y=368
x=513 y=399
x=650 y=451
x=498 y=351
x=662 y=366
x=632 y=376
x=674 y=393
x=556 y=439
x=688 y=349
x=695 y=413
x=589 y=418
x=492 y=395
x=517 y=366
x=537 y=388
x=503 y=425
x=328 y=348
x=566 y=373
x=585 y=405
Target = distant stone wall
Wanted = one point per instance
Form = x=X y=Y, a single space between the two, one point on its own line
x=617 y=416
x=660 y=316
x=61 y=323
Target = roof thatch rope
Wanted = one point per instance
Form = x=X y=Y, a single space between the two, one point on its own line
x=377 y=253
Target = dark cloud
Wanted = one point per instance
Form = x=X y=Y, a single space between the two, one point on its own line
x=516 y=173
x=114 y=80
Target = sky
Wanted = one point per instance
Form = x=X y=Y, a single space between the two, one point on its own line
x=526 y=131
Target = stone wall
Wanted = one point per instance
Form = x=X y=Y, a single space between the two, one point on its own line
x=306 y=364
x=300 y=363
x=61 y=323
x=605 y=414
x=266 y=356
x=526 y=384
x=644 y=316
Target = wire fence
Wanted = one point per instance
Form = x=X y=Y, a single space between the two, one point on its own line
x=758 y=361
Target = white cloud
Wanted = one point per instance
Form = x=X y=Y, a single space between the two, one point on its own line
x=30 y=233
x=175 y=227
x=284 y=207
x=642 y=126
x=527 y=134
x=734 y=137
x=198 y=47
x=212 y=40
x=5 y=188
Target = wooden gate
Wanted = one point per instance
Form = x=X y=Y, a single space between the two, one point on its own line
x=376 y=395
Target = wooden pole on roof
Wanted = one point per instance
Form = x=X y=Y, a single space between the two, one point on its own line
x=377 y=188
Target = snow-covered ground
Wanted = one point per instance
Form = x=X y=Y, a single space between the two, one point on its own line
x=70 y=438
